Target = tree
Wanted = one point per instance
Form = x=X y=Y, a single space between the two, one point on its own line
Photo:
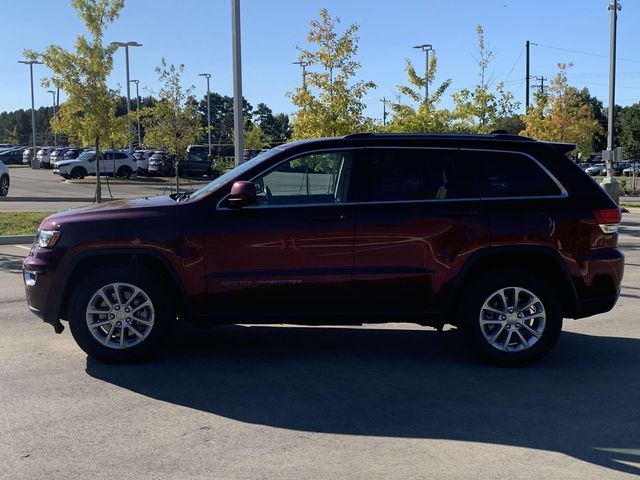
x=255 y=138
x=599 y=139
x=174 y=121
x=89 y=111
x=478 y=110
x=562 y=115
x=425 y=116
x=329 y=103
x=629 y=122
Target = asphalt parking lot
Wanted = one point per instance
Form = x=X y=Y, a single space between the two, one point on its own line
x=286 y=402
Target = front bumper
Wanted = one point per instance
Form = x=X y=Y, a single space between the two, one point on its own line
x=40 y=291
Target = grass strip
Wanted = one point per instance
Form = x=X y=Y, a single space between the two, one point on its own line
x=21 y=223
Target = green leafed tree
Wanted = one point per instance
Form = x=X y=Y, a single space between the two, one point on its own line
x=255 y=138
x=173 y=122
x=330 y=103
x=420 y=114
x=629 y=123
x=478 y=110
x=562 y=115
x=89 y=112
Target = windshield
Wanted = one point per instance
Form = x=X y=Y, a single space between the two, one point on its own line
x=236 y=172
x=86 y=155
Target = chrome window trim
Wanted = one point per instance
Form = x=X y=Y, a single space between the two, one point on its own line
x=563 y=192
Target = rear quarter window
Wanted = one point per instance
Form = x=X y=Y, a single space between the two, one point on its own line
x=510 y=174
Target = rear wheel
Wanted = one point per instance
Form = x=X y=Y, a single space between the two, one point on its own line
x=78 y=172
x=123 y=172
x=120 y=314
x=510 y=317
x=4 y=186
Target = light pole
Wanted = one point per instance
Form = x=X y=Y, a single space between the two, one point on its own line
x=55 y=135
x=610 y=184
x=304 y=72
x=208 y=76
x=138 y=110
x=34 y=161
x=126 y=46
x=426 y=48
x=238 y=121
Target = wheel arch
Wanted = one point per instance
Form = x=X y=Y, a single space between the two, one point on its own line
x=151 y=259
x=543 y=261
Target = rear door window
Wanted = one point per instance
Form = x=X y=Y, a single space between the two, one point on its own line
x=398 y=174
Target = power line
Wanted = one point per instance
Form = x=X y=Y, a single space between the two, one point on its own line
x=514 y=64
x=583 y=53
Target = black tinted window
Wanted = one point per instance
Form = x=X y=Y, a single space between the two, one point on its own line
x=510 y=174
x=414 y=174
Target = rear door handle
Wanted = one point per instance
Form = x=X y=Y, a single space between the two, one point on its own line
x=328 y=219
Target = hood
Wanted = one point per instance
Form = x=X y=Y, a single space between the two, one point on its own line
x=63 y=163
x=119 y=209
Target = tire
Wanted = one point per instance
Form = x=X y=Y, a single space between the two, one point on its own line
x=510 y=334
x=120 y=335
x=78 y=172
x=4 y=186
x=123 y=172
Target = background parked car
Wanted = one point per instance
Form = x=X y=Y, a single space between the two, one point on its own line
x=632 y=170
x=27 y=154
x=12 y=156
x=597 y=169
x=72 y=153
x=57 y=154
x=142 y=160
x=159 y=163
x=4 y=180
x=44 y=156
x=117 y=162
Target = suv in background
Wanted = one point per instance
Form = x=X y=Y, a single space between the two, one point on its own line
x=499 y=235
x=5 y=182
x=112 y=162
x=57 y=154
x=27 y=154
x=43 y=157
x=72 y=153
x=142 y=161
x=159 y=163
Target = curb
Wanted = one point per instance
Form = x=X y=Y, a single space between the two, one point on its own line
x=19 y=239
x=49 y=199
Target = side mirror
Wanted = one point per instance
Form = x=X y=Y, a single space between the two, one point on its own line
x=242 y=194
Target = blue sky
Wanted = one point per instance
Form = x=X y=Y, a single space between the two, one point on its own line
x=197 y=33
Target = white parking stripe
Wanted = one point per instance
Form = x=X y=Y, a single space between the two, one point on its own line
x=28 y=249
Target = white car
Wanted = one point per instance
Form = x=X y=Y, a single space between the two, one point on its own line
x=597 y=169
x=117 y=162
x=4 y=180
x=43 y=156
x=142 y=159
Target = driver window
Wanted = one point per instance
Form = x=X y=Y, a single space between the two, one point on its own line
x=316 y=178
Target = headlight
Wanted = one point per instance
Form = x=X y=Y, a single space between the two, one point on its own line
x=47 y=238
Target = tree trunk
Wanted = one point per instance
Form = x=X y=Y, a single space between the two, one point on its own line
x=98 y=189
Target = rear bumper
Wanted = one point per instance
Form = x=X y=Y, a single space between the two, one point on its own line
x=599 y=289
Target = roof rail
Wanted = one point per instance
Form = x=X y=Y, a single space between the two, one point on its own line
x=497 y=134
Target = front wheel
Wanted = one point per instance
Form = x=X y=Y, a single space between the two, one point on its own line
x=120 y=314
x=4 y=186
x=510 y=317
x=78 y=172
x=123 y=172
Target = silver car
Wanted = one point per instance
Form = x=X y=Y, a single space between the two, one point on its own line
x=4 y=180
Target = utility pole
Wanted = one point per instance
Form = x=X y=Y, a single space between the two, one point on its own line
x=55 y=135
x=527 y=76
x=126 y=46
x=138 y=110
x=208 y=76
x=304 y=72
x=426 y=48
x=34 y=160
x=610 y=184
x=238 y=121
x=384 y=110
x=542 y=86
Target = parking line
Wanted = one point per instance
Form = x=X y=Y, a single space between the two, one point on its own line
x=28 y=249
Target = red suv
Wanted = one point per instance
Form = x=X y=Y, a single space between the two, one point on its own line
x=499 y=235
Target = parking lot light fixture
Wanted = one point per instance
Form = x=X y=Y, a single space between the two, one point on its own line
x=208 y=76
x=138 y=110
x=126 y=46
x=31 y=63
x=426 y=48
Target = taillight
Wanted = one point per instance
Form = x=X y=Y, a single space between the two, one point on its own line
x=608 y=220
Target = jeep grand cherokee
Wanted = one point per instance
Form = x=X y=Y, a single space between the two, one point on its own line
x=499 y=235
